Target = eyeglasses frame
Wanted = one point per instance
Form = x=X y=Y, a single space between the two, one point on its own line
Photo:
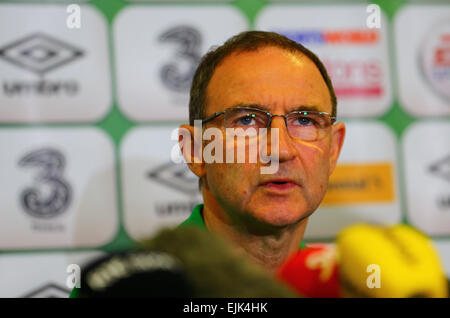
x=217 y=114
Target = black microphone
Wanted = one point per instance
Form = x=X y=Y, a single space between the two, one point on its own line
x=138 y=273
x=185 y=262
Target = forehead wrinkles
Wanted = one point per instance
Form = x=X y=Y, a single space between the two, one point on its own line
x=268 y=75
x=263 y=65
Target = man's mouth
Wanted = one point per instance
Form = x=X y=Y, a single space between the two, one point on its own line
x=279 y=184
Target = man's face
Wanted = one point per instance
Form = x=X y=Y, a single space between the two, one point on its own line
x=280 y=82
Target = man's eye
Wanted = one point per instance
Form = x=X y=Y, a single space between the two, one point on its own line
x=246 y=121
x=303 y=121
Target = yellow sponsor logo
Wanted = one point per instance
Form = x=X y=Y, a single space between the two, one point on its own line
x=361 y=183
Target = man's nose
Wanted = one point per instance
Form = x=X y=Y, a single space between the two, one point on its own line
x=286 y=148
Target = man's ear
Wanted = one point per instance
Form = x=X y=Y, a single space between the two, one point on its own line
x=192 y=149
x=337 y=140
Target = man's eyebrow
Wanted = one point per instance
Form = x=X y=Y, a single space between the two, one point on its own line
x=251 y=105
x=266 y=108
x=307 y=108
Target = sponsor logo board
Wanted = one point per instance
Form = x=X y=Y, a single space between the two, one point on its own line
x=46 y=68
x=422 y=39
x=364 y=184
x=155 y=68
x=157 y=192
x=355 y=56
x=426 y=152
x=59 y=188
x=39 y=275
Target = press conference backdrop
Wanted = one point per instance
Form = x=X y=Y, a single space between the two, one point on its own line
x=86 y=117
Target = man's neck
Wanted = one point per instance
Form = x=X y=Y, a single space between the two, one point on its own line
x=269 y=249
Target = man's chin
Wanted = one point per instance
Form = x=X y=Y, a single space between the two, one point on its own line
x=278 y=218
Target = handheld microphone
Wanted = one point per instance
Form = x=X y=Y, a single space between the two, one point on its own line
x=313 y=271
x=368 y=261
x=397 y=261
x=138 y=273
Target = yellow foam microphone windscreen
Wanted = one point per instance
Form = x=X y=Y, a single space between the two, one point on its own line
x=396 y=261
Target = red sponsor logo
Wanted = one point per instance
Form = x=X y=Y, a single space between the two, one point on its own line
x=356 y=78
x=351 y=37
x=342 y=37
x=442 y=57
x=435 y=59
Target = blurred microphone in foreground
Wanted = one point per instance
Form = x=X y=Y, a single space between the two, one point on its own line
x=396 y=261
x=369 y=261
x=186 y=262
x=313 y=271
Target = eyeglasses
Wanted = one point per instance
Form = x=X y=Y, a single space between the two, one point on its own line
x=304 y=125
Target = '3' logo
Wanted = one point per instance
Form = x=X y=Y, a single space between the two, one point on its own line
x=189 y=42
x=52 y=163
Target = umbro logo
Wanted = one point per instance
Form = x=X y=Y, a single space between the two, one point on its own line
x=441 y=168
x=176 y=176
x=39 y=53
x=49 y=290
